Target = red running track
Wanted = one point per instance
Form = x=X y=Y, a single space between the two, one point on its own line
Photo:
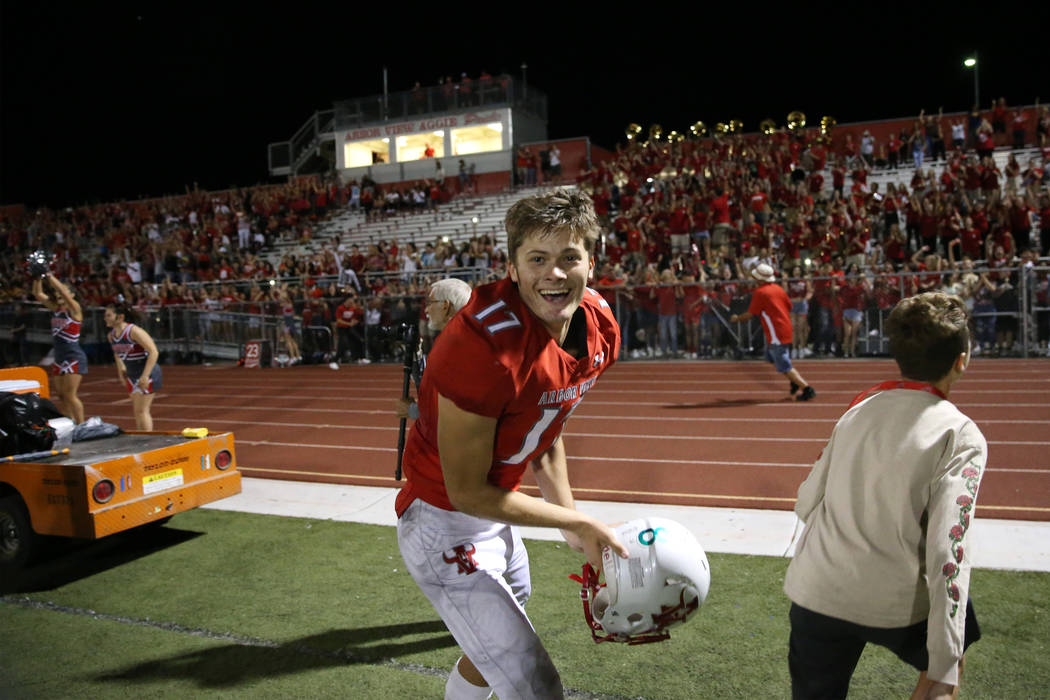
x=686 y=433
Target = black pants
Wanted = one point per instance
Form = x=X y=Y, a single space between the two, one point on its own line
x=937 y=150
x=350 y=343
x=823 y=651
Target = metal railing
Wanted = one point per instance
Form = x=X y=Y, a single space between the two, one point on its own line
x=1013 y=321
x=440 y=99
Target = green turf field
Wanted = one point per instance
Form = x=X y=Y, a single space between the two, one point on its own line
x=232 y=605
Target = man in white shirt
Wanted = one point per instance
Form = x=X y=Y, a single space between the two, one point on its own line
x=867 y=148
x=884 y=557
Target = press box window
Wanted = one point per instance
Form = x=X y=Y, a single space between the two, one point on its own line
x=414 y=147
x=477 y=139
x=362 y=153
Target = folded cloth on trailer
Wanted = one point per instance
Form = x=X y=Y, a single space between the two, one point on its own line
x=94 y=427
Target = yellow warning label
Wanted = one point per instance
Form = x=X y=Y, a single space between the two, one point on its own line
x=159 y=482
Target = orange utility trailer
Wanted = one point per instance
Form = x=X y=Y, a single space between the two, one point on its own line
x=104 y=486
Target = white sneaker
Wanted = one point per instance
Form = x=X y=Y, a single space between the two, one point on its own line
x=364 y=361
x=659 y=352
x=649 y=352
x=692 y=356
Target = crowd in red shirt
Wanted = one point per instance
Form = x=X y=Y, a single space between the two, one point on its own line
x=764 y=198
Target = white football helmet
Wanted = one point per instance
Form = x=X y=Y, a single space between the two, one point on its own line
x=662 y=583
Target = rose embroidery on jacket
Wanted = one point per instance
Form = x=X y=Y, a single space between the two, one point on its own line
x=951 y=570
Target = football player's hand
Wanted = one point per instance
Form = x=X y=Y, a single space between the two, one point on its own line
x=594 y=537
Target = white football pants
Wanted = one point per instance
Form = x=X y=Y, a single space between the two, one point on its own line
x=475 y=572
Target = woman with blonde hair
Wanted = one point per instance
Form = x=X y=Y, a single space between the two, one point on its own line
x=71 y=363
x=288 y=325
x=800 y=290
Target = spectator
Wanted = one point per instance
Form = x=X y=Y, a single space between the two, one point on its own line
x=555 y=163
x=867 y=149
x=999 y=115
x=669 y=295
x=1019 y=124
x=373 y=328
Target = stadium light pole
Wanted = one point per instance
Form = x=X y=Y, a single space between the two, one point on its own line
x=971 y=63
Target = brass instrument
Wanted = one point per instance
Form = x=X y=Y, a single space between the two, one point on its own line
x=675 y=137
x=655 y=132
x=632 y=131
x=767 y=127
x=721 y=128
x=796 y=120
x=735 y=126
x=699 y=130
x=826 y=125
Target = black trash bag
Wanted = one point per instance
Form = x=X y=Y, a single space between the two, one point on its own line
x=23 y=423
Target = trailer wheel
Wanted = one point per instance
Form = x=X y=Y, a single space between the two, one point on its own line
x=16 y=534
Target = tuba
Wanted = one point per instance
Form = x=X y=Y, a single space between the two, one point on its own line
x=721 y=128
x=632 y=131
x=767 y=127
x=826 y=125
x=699 y=130
x=796 y=120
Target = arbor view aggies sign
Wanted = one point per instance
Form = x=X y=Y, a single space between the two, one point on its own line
x=423 y=125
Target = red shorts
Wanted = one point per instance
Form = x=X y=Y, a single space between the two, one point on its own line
x=134 y=388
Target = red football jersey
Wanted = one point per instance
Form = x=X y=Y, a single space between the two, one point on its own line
x=496 y=359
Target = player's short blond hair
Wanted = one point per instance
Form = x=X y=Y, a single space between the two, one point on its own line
x=549 y=213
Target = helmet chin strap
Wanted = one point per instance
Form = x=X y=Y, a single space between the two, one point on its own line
x=590 y=586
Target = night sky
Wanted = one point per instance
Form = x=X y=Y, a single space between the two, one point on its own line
x=120 y=100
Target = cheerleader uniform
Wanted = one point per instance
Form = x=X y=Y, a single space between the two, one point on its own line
x=134 y=357
x=69 y=356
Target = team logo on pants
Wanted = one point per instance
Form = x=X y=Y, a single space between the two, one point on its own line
x=463 y=558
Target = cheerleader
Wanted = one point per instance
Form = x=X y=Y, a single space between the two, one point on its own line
x=136 y=357
x=71 y=363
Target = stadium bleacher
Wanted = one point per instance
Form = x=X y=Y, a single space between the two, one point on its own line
x=297 y=229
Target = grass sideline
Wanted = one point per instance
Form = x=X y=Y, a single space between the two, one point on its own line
x=235 y=605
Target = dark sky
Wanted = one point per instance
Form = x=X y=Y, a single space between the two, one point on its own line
x=103 y=101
